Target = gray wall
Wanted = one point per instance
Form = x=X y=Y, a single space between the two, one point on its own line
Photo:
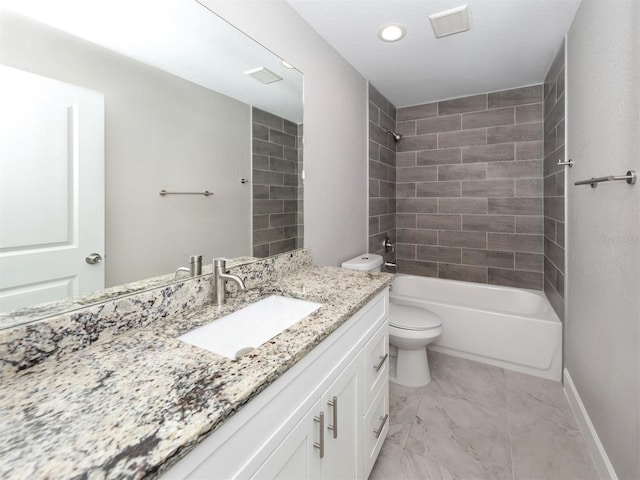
x=469 y=188
x=160 y=132
x=335 y=125
x=276 y=184
x=554 y=180
x=382 y=173
x=603 y=236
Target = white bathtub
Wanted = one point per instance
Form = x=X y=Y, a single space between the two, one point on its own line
x=511 y=328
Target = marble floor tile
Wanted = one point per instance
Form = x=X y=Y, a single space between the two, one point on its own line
x=459 y=431
x=544 y=450
x=476 y=421
x=532 y=398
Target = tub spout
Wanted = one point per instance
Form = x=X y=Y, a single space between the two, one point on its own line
x=220 y=277
x=391 y=265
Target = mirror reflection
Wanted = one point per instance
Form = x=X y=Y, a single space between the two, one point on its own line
x=106 y=104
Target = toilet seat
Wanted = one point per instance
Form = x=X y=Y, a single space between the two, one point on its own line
x=406 y=317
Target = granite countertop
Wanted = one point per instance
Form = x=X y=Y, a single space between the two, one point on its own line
x=132 y=405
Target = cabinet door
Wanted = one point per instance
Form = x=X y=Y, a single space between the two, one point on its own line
x=343 y=404
x=298 y=455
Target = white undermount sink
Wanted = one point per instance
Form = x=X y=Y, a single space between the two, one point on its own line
x=238 y=332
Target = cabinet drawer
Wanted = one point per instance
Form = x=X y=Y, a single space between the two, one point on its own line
x=376 y=426
x=376 y=366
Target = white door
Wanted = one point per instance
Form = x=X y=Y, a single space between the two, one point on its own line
x=51 y=189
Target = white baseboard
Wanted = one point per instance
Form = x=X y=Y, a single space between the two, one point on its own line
x=599 y=455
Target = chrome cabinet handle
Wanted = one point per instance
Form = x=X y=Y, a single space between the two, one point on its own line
x=93 y=258
x=334 y=404
x=379 y=430
x=382 y=360
x=320 y=445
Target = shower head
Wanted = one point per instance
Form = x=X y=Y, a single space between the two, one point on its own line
x=396 y=136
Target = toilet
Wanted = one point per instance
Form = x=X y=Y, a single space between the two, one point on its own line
x=411 y=329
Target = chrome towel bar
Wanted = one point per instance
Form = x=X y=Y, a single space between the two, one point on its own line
x=206 y=193
x=631 y=177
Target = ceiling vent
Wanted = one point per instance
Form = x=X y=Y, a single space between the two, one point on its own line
x=263 y=75
x=450 y=22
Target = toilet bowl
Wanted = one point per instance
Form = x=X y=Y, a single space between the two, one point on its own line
x=411 y=329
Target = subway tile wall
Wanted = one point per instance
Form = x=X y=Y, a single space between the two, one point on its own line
x=276 y=183
x=554 y=183
x=382 y=173
x=468 y=186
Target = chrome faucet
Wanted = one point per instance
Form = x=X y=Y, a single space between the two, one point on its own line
x=220 y=276
x=195 y=267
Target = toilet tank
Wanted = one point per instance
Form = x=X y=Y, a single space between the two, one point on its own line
x=368 y=262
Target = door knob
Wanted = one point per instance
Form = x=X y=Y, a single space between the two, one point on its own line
x=93 y=258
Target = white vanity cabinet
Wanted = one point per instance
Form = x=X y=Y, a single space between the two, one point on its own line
x=317 y=420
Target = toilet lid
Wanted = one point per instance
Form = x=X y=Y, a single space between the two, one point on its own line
x=412 y=318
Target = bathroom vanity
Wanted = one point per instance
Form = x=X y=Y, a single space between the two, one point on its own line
x=136 y=402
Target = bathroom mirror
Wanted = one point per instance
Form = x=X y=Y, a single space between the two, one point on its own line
x=160 y=95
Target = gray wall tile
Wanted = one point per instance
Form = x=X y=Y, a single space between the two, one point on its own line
x=529 y=113
x=489 y=223
x=478 y=191
x=488 y=188
x=529 y=150
x=405 y=190
x=461 y=105
x=438 y=189
x=425 y=269
x=515 y=278
x=523 y=132
x=438 y=222
x=489 y=118
x=530 y=224
x=529 y=187
x=529 y=261
x=406 y=251
x=461 y=205
x=462 y=239
x=267 y=119
x=516 y=96
x=475 y=171
x=417 y=205
x=514 y=206
x=446 y=123
x=439 y=157
x=465 y=273
x=406 y=220
x=488 y=153
x=515 y=242
x=419 y=142
x=438 y=254
x=407 y=159
x=417 y=237
x=417 y=174
x=515 y=169
x=418 y=111
x=462 y=138
x=488 y=258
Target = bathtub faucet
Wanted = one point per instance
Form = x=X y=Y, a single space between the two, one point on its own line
x=388 y=245
x=391 y=265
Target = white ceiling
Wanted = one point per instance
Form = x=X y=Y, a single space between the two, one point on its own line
x=181 y=37
x=511 y=43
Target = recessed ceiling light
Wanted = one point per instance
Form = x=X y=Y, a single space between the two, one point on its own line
x=449 y=22
x=286 y=64
x=391 y=33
